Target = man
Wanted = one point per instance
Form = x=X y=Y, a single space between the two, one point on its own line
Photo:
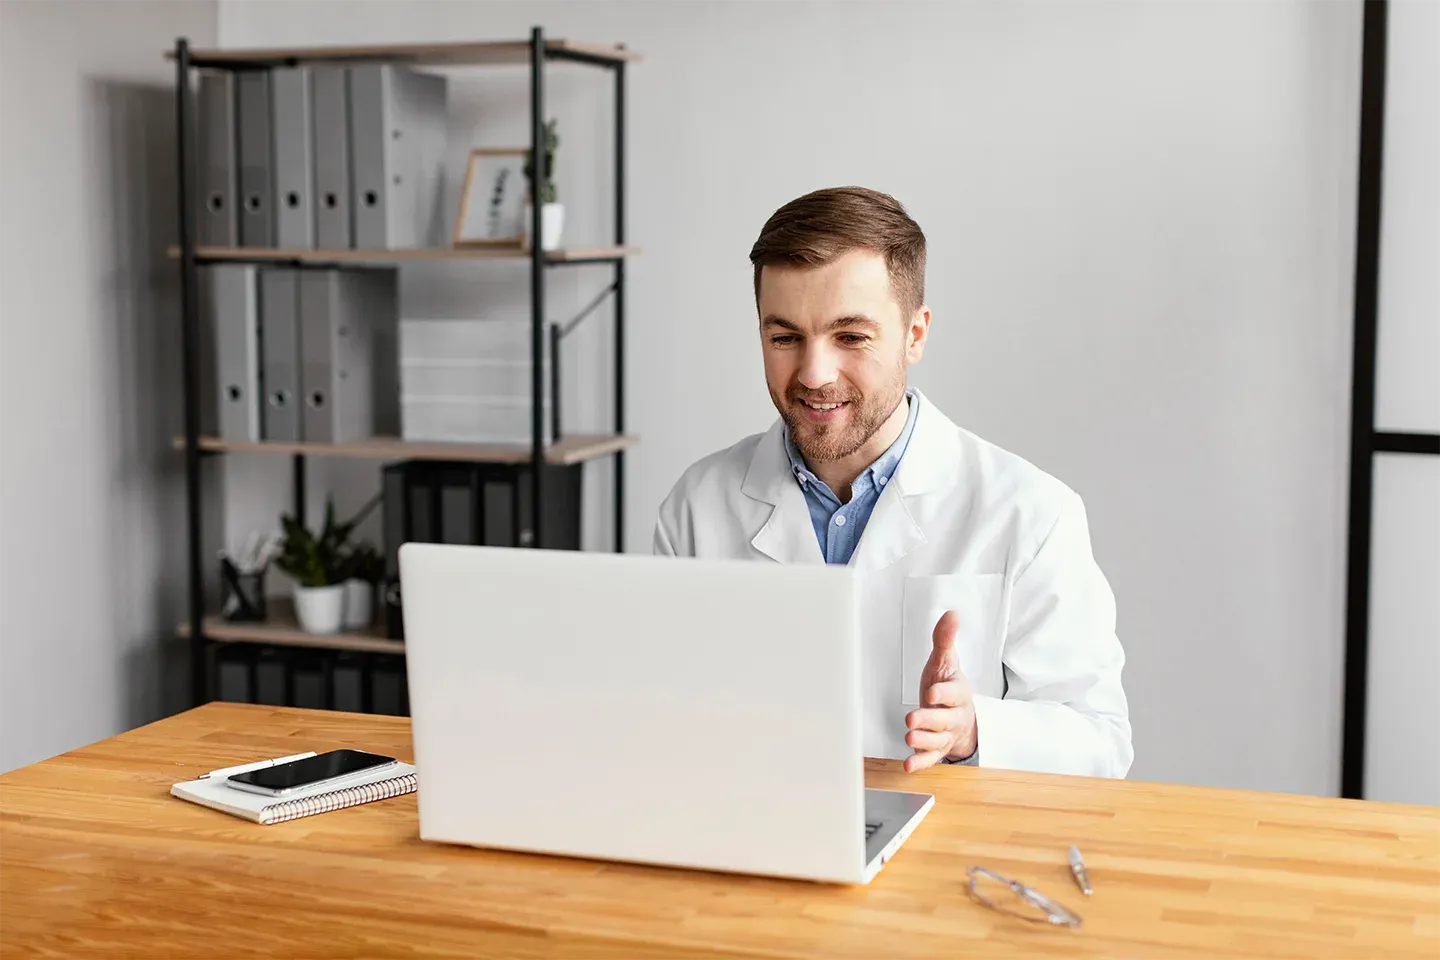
x=988 y=630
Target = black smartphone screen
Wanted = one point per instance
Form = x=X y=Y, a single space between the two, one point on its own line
x=299 y=773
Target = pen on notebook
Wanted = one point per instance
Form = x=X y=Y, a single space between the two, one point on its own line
x=224 y=772
x=1077 y=867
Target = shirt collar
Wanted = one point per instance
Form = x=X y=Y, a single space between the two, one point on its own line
x=884 y=466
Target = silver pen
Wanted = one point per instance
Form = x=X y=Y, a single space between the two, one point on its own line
x=1077 y=867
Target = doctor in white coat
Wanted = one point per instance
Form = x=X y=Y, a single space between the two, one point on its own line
x=989 y=629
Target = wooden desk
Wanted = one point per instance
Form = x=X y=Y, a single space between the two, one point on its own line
x=97 y=860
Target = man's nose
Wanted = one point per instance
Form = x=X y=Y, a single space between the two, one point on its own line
x=818 y=367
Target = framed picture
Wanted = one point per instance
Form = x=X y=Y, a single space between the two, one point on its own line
x=492 y=202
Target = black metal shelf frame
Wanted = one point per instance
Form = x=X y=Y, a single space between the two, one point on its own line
x=1365 y=440
x=201 y=672
x=1362 y=403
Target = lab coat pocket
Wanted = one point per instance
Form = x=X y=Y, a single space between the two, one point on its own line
x=976 y=598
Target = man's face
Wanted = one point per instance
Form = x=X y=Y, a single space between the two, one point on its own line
x=835 y=335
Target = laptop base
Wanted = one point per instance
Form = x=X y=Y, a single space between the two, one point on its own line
x=890 y=817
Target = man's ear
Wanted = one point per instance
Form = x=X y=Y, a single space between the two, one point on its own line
x=917 y=333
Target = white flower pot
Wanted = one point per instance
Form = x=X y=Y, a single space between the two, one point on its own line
x=552 y=226
x=320 y=609
x=359 y=604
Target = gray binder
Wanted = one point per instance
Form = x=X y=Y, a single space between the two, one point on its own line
x=257 y=187
x=218 y=225
x=334 y=357
x=331 y=101
x=397 y=146
x=290 y=91
x=232 y=299
x=280 y=353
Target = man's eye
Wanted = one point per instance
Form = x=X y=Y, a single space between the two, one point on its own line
x=783 y=339
x=853 y=338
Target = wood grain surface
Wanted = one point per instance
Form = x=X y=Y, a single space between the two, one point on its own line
x=97 y=860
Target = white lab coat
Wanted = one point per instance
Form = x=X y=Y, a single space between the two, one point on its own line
x=964 y=526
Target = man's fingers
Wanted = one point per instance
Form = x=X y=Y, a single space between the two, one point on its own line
x=928 y=740
x=947 y=693
x=941 y=665
x=939 y=719
x=921 y=761
x=945 y=631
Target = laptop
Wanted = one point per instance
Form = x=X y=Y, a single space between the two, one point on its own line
x=682 y=712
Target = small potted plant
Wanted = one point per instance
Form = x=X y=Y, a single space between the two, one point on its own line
x=552 y=212
x=363 y=569
x=314 y=563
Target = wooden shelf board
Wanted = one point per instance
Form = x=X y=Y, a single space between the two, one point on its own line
x=282 y=630
x=565 y=452
x=590 y=253
x=252 y=254
x=489 y=53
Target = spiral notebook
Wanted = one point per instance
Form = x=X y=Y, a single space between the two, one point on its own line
x=211 y=791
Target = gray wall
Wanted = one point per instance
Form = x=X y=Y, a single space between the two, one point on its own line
x=1141 y=222
x=91 y=498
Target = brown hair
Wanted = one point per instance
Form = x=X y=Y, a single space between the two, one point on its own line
x=820 y=227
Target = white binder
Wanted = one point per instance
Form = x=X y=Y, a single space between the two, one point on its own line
x=397 y=147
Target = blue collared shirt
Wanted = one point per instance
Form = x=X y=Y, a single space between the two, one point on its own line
x=839 y=525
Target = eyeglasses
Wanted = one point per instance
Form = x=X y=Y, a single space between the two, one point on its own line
x=1012 y=897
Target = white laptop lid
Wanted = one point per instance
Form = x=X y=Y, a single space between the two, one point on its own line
x=674 y=711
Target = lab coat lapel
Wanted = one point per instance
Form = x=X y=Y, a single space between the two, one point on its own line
x=788 y=535
x=890 y=534
x=931 y=464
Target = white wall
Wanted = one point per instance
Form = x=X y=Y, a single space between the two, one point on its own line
x=91 y=499
x=1140 y=221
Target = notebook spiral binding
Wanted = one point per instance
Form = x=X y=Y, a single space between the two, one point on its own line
x=336 y=799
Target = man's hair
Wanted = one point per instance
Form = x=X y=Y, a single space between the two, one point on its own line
x=823 y=226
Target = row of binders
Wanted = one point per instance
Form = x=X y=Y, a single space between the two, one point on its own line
x=328 y=156
x=348 y=679
x=303 y=354
x=426 y=501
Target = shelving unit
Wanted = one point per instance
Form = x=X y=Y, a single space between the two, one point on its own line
x=280 y=631
x=566 y=451
x=485 y=53
x=323 y=257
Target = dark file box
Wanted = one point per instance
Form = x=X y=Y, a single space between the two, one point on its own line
x=471 y=503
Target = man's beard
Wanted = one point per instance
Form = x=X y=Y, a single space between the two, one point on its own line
x=865 y=415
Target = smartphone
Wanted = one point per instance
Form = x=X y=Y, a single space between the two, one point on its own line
x=285 y=778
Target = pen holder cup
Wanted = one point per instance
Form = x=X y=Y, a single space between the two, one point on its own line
x=242 y=596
